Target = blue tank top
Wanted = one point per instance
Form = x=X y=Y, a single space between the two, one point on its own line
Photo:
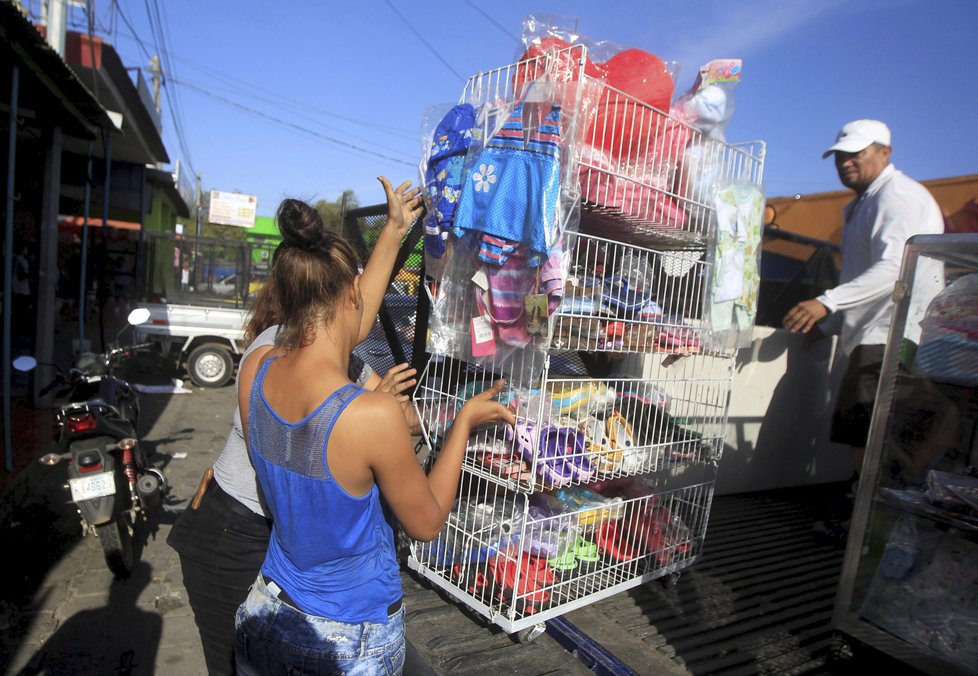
x=333 y=553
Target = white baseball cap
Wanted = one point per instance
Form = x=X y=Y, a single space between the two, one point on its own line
x=858 y=135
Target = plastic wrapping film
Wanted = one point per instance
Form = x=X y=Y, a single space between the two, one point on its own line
x=948 y=350
x=647 y=165
x=500 y=275
x=734 y=256
x=708 y=106
x=925 y=592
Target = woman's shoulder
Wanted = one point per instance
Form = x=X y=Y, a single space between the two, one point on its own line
x=373 y=412
x=370 y=402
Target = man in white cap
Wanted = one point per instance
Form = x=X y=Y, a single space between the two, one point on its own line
x=888 y=209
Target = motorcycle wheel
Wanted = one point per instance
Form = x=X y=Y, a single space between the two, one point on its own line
x=117 y=545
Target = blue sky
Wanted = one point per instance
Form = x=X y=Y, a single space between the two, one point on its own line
x=363 y=74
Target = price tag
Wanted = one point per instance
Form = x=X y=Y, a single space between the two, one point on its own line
x=481 y=279
x=483 y=342
x=537 y=313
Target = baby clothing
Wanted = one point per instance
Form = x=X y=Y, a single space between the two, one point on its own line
x=736 y=278
x=510 y=284
x=513 y=190
x=443 y=176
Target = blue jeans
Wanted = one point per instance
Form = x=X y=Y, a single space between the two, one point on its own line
x=275 y=638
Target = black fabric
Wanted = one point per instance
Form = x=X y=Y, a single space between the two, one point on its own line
x=222 y=546
x=857 y=396
x=355 y=368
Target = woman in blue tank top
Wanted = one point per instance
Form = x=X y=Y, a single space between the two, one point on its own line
x=328 y=596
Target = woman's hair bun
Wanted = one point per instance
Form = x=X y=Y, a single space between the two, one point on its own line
x=301 y=225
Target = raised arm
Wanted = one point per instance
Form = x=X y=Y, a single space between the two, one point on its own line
x=403 y=208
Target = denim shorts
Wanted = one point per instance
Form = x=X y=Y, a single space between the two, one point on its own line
x=276 y=638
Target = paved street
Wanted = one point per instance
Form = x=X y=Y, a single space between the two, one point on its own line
x=62 y=613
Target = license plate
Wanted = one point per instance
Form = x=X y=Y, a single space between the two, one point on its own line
x=95 y=486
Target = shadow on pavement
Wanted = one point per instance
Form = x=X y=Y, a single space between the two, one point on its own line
x=117 y=637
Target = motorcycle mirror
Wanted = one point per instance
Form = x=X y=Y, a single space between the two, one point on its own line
x=25 y=363
x=139 y=316
x=49 y=459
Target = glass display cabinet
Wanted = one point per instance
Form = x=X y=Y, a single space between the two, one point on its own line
x=909 y=584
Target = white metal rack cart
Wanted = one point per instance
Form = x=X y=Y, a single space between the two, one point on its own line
x=530 y=536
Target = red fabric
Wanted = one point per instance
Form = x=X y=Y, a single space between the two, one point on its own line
x=619 y=126
x=636 y=192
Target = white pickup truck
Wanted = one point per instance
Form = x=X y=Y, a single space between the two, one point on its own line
x=205 y=340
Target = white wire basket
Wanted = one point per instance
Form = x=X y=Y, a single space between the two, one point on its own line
x=644 y=174
x=616 y=298
x=520 y=560
x=572 y=431
x=627 y=298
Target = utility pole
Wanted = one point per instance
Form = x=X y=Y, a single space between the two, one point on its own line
x=157 y=71
x=57 y=18
x=197 y=234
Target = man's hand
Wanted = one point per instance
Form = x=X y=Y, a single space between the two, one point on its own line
x=403 y=206
x=805 y=315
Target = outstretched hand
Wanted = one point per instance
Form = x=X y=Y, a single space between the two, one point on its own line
x=484 y=408
x=403 y=206
x=397 y=379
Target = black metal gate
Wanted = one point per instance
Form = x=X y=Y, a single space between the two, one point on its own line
x=400 y=334
x=203 y=270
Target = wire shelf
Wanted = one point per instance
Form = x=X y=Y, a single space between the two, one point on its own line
x=644 y=175
x=520 y=560
x=604 y=481
x=573 y=430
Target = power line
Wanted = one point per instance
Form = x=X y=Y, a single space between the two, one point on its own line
x=425 y=42
x=210 y=86
x=239 y=86
x=495 y=23
x=249 y=89
x=135 y=36
x=159 y=40
x=294 y=126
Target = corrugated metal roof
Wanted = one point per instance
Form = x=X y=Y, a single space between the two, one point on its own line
x=83 y=114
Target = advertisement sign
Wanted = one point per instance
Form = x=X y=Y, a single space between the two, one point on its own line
x=232 y=208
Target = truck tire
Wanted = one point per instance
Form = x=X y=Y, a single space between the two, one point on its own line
x=117 y=546
x=210 y=365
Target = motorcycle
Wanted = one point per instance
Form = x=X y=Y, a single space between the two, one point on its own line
x=111 y=483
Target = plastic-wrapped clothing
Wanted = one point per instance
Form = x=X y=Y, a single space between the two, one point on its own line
x=443 y=175
x=513 y=189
